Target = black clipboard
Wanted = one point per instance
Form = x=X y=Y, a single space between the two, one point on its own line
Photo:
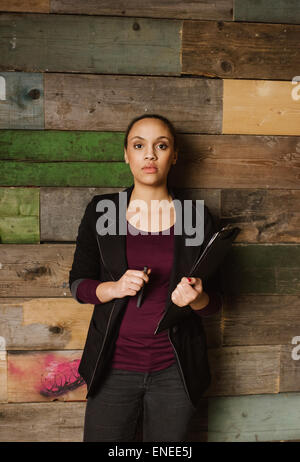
x=205 y=265
x=214 y=252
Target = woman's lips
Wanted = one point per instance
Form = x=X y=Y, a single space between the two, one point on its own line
x=150 y=169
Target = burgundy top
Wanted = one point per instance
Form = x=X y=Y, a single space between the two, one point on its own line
x=137 y=348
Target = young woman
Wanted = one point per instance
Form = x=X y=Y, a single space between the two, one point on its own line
x=140 y=358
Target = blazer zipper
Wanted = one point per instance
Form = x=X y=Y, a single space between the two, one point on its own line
x=102 y=346
x=180 y=367
x=107 y=269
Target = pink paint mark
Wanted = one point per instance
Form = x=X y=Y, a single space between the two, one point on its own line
x=60 y=377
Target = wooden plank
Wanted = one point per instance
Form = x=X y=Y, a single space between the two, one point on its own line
x=43 y=270
x=264 y=215
x=262 y=107
x=61 y=209
x=109 y=102
x=289 y=364
x=23 y=103
x=26 y=6
x=254 y=418
x=105 y=174
x=204 y=9
x=281 y=11
x=205 y=161
x=262 y=269
x=44 y=376
x=3 y=371
x=44 y=323
x=52 y=43
x=260 y=319
x=19 y=215
x=56 y=145
x=233 y=50
x=244 y=370
x=41 y=422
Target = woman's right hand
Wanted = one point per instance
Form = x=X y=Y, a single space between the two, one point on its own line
x=130 y=283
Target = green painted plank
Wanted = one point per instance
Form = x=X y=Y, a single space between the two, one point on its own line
x=262 y=269
x=279 y=11
x=22 y=99
x=99 y=174
x=19 y=216
x=264 y=417
x=90 y=44
x=55 y=145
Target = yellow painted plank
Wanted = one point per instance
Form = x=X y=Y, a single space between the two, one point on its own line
x=261 y=107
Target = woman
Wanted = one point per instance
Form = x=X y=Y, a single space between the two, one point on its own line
x=128 y=348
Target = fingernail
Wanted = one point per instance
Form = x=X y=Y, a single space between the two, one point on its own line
x=189 y=279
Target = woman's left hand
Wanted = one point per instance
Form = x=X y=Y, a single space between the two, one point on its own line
x=185 y=293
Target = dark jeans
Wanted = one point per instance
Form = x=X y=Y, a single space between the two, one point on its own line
x=112 y=414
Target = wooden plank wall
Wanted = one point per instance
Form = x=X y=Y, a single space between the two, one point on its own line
x=73 y=73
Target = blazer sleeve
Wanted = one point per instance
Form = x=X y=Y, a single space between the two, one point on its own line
x=86 y=260
x=213 y=285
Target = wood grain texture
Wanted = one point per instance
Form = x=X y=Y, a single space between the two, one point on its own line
x=244 y=370
x=290 y=364
x=262 y=107
x=43 y=270
x=23 y=106
x=109 y=102
x=260 y=320
x=186 y=9
x=39 y=422
x=233 y=50
x=44 y=376
x=265 y=269
x=90 y=44
x=19 y=216
x=30 y=173
x=254 y=418
x=26 y=6
x=204 y=161
x=281 y=11
x=3 y=373
x=44 y=323
x=264 y=215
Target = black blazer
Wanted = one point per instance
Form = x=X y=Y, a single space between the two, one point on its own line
x=103 y=257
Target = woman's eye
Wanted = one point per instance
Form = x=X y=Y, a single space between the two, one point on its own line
x=138 y=144
x=161 y=144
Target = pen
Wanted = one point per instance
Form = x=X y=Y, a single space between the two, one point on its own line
x=139 y=300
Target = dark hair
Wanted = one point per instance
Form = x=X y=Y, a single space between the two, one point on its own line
x=153 y=116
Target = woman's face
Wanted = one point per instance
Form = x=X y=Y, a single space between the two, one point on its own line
x=150 y=142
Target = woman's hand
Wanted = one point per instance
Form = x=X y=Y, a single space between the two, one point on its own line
x=186 y=294
x=130 y=283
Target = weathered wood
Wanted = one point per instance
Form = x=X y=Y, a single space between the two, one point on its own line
x=23 y=106
x=61 y=209
x=26 y=6
x=261 y=319
x=43 y=270
x=244 y=370
x=240 y=50
x=44 y=376
x=19 y=215
x=65 y=173
x=39 y=422
x=205 y=161
x=56 y=145
x=204 y=9
x=109 y=102
x=263 y=107
x=254 y=418
x=44 y=323
x=3 y=372
x=290 y=364
x=264 y=215
x=90 y=44
x=262 y=269
x=281 y=11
